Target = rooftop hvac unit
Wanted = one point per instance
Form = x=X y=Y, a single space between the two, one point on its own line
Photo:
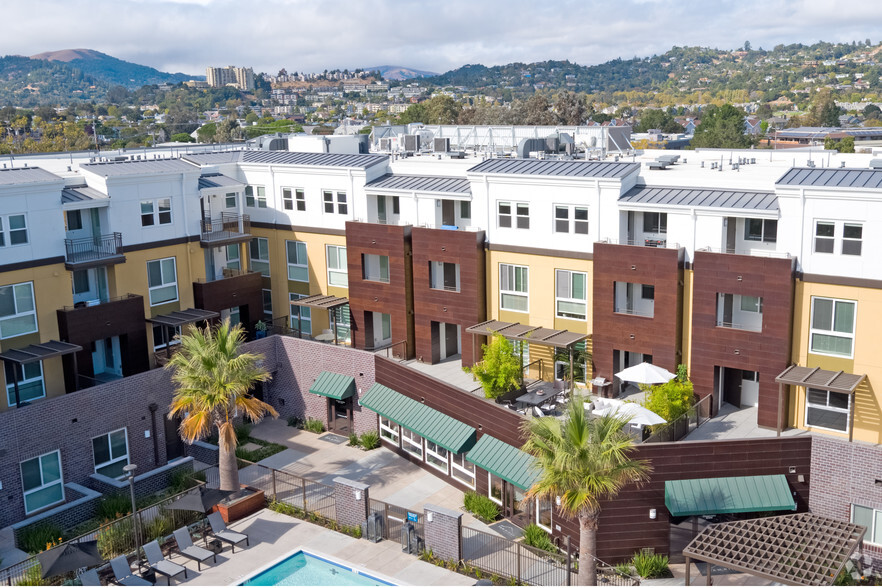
x=876 y=164
x=441 y=145
x=411 y=143
x=386 y=144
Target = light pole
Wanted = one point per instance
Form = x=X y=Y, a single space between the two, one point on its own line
x=130 y=471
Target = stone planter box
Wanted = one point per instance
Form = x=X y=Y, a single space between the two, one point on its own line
x=246 y=501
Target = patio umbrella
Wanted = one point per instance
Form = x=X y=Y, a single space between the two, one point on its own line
x=646 y=373
x=69 y=557
x=199 y=500
x=636 y=414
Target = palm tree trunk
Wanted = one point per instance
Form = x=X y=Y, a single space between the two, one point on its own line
x=227 y=466
x=587 y=547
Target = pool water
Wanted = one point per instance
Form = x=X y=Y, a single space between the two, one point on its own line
x=304 y=569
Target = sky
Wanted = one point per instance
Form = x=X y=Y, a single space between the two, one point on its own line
x=435 y=35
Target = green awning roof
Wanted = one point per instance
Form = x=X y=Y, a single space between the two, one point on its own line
x=336 y=386
x=504 y=460
x=434 y=425
x=707 y=496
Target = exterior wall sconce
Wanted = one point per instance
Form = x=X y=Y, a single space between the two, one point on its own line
x=653 y=514
x=430 y=516
x=358 y=494
x=791 y=469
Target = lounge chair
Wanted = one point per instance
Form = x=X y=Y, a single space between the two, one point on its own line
x=123 y=573
x=161 y=565
x=190 y=551
x=219 y=530
x=90 y=578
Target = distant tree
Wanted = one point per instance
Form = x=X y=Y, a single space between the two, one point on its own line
x=47 y=113
x=873 y=122
x=722 y=127
x=118 y=95
x=823 y=111
x=570 y=108
x=844 y=145
x=764 y=111
x=657 y=119
x=182 y=138
x=251 y=118
x=414 y=113
x=206 y=133
x=441 y=110
x=747 y=45
x=538 y=111
x=872 y=111
x=601 y=117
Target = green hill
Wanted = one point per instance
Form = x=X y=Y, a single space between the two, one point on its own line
x=112 y=70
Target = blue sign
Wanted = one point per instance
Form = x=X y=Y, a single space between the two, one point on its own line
x=412 y=517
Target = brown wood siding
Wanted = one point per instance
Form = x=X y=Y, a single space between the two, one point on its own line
x=464 y=308
x=244 y=291
x=767 y=352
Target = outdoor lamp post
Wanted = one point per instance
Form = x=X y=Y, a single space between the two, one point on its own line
x=130 y=471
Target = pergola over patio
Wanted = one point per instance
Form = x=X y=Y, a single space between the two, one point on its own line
x=37 y=352
x=323 y=302
x=179 y=318
x=802 y=549
x=841 y=382
x=531 y=335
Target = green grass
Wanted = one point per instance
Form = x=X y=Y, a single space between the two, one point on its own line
x=481 y=506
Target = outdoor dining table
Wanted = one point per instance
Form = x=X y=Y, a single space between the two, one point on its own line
x=533 y=398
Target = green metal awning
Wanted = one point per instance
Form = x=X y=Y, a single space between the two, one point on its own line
x=708 y=496
x=434 y=425
x=336 y=386
x=506 y=461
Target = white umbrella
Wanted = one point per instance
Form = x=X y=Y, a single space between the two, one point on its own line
x=646 y=373
x=636 y=414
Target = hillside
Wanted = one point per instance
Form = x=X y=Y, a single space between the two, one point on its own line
x=112 y=70
x=399 y=73
x=32 y=82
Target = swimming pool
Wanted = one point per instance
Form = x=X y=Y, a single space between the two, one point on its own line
x=306 y=569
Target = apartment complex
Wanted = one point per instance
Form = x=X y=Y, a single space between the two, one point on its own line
x=241 y=77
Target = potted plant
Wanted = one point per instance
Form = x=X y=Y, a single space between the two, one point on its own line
x=259 y=330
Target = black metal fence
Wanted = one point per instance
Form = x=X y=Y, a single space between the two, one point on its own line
x=95 y=248
x=697 y=415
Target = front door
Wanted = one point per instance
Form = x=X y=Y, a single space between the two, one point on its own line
x=174 y=446
x=340 y=415
x=448 y=214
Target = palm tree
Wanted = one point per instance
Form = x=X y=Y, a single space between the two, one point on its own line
x=583 y=461
x=214 y=379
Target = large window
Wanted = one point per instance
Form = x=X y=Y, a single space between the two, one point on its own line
x=41 y=481
x=514 y=287
x=411 y=442
x=292 y=197
x=757 y=229
x=462 y=469
x=871 y=519
x=655 y=222
x=298 y=263
x=259 y=201
x=827 y=410
x=30 y=382
x=436 y=456
x=13 y=230
x=156 y=212
x=111 y=453
x=18 y=313
x=519 y=211
x=571 y=290
x=852 y=238
x=389 y=430
x=232 y=254
x=162 y=280
x=301 y=320
x=375 y=268
x=571 y=219
x=329 y=200
x=833 y=323
x=337 y=270
x=444 y=276
x=825 y=234
x=259 y=252
x=544 y=513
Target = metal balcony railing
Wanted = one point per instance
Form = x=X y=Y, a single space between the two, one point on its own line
x=227 y=226
x=93 y=249
x=634 y=312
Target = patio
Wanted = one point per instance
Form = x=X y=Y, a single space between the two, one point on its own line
x=736 y=423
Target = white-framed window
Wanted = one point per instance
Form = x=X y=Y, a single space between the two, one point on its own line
x=570 y=219
x=298 y=263
x=267 y=304
x=163 y=336
x=338 y=273
x=870 y=518
x=343 y=320
x=494 y=488
x=232 y=254
x=255 y=196
x=444 y=275
x=42 y=482
x=14 y=230
x=258 y=249
x=655 y=222
x=156 y=212
x=832 y=326
x=329 y=197
x=751 y=303
x=288 y=198
x=544 y=513
x=162 y=280
x=300 y=200
x=827 y=410
x=411 y=442
x=825 y=235
x=514 y=291
x=30 y=382
x=375 y=268
x=437 y=457
x=571 y=295
x=852 y=238
x=304 y=322
x=389 y=430
x=759 y=229
x=462 y=469
x=230 y=200
x=513 y=215
x=111 y=453
x=18 y=313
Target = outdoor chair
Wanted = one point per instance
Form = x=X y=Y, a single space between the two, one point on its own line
x=190 y=551
x=123 y=573
x=219 y=530
x=538 y=412
x=161 y=565
x=90 y=578
x=549 y=407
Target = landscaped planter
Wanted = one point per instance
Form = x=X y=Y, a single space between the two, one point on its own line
x=246 y=501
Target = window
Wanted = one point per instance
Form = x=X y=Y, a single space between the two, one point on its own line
x=301 y=316
x=16 y=230
x=30 y=382
x=436 y=456
x=259 y=252
x=41 y=481
x=337 y=270
x=571 y=295
x=375 y=268
x=751 y=303
x=513 y=287
x=230 y=200
x=824 y=236
x=832 y=326
x=851 y=238
x=18 y=314
x=287 y=199
x=544 y=510
x=328 y=198
x=232 y=253
x=462 y=469
x=81 y=281
x=342 y=318
x=827 y=410
x=655 y=222
x=111 y=453
x=494 y=489
x=647 y=292
x=871 y=519
x=267 y=304
x=411 y=442
x=562 y=216
x=521 y=214
x=249 y=196
x=396 y=205
x=389 y=431
x=300 y=200
x=342 y=206
x=74 y=220
x=162 y=280
x=250 y=200
x=298 y=264
x=156 y=212
x=444 y=276
x=164 y=336
x=293 y=198
x=757 y=229
x=465 y=209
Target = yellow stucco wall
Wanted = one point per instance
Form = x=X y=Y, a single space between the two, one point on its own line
x=688 y=285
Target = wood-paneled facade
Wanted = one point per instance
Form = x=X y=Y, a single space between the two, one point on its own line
x=244 y=291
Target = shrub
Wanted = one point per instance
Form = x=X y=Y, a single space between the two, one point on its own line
x=295 y=421
x=670 y=400
x=481 y=506
x=500 y=370
x=183 y=480
x=314 y=426
x=116 y=538
x=650 y=565
x=370 y=440
x=160 y=527
x=33 y=576
x=35 y=539
x=535 y=536
x=243 y=432
x=353 y=439
x=114 y=506
x=624 y=568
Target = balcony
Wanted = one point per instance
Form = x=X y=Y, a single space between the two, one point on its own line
x=657 y=243
x=227 y=229
x=89 y=252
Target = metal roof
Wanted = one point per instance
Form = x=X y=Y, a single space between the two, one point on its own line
x=506 y=461
x=81 y=194
x=218 y=181
x=180 y=318
x=534 y=335
x=213 y=158
x=840 y=177
x=707 y=496
x=39 y=352
x=358 y=160
x=554 y=167
x=840 y=381
x=139 y=167
x=26 y=175
x=801 y=549
x=709 y=197
x=434 y=425
x=405 y=183
x=336 y=386
x=321 y=301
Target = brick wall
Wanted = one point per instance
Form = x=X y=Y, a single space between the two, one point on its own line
x=204 y=452
x=145 y=484
x=81 y=505
x=350 y=511
x=442 y=534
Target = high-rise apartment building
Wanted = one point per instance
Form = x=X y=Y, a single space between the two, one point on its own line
x=241 y=77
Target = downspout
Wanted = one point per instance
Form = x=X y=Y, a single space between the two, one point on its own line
x=153 y=407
